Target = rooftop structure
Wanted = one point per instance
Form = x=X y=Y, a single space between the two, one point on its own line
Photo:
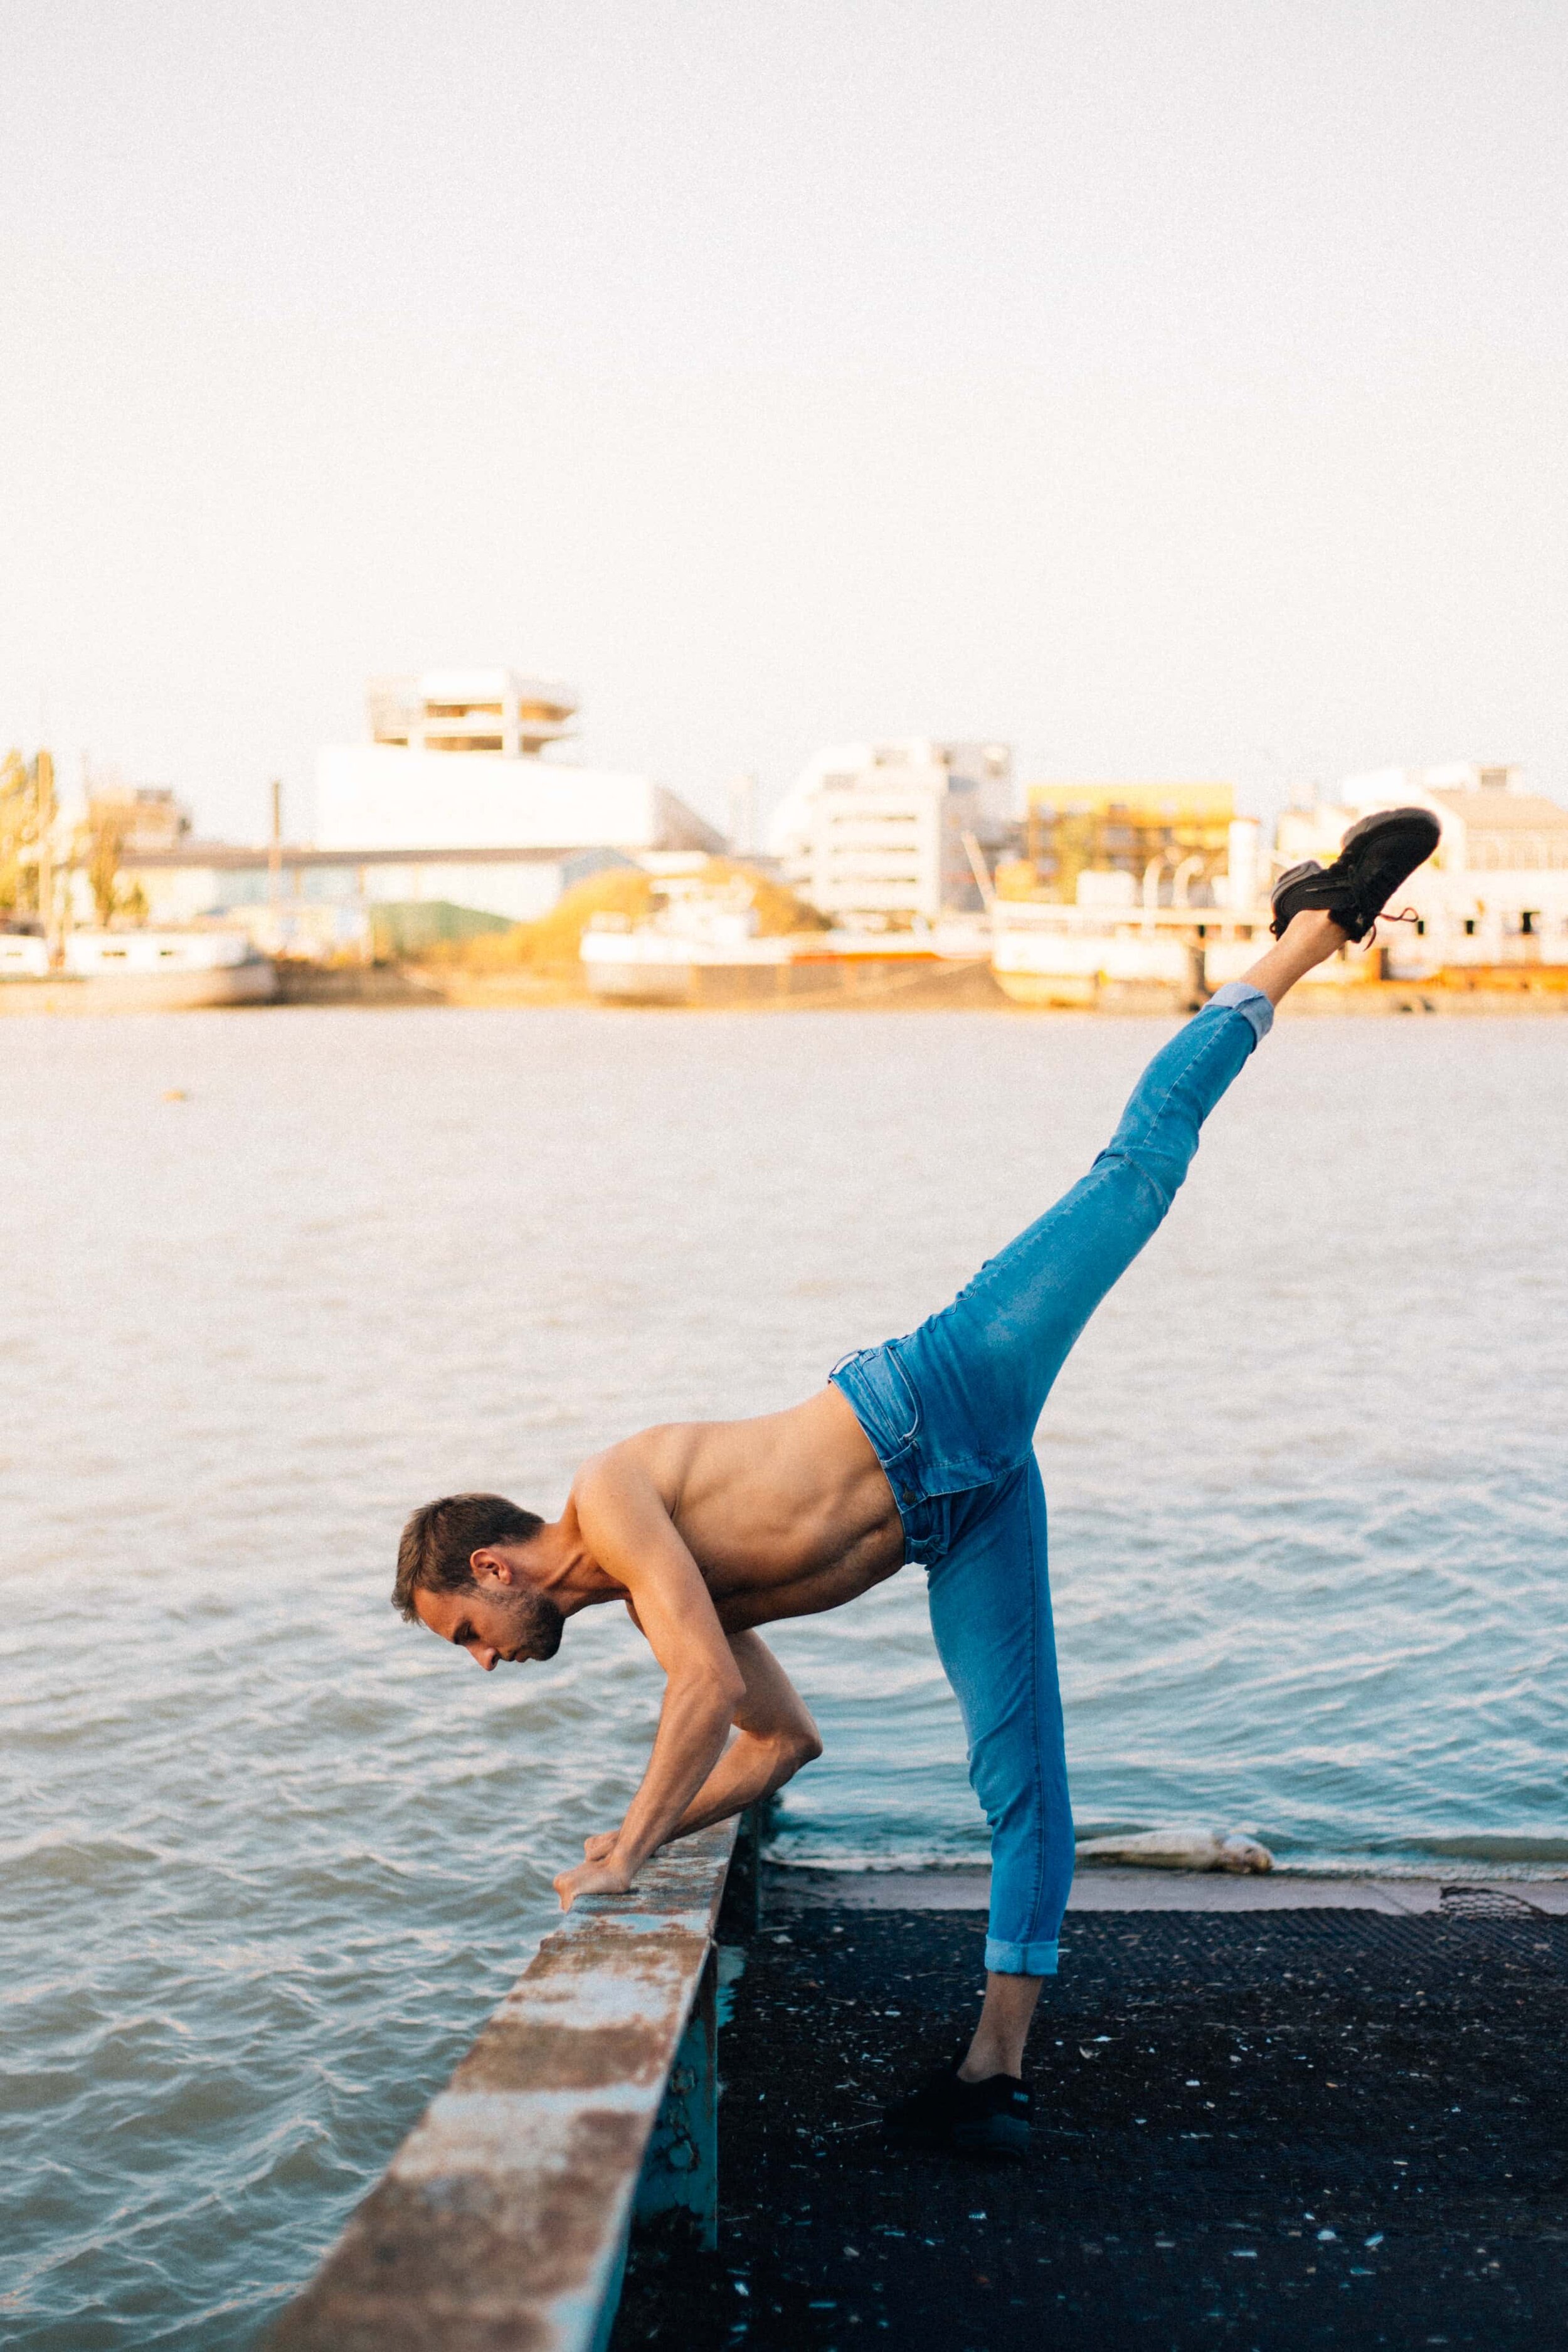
x=142 y=816
x=471 y=710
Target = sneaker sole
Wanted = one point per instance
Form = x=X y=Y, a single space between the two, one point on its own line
x=1420 y=819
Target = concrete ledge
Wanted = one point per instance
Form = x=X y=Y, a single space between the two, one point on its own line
x=503 y=2219
x=1111 y=1889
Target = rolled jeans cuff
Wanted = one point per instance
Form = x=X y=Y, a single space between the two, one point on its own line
x=1249 y=1001
x=1020 y=1960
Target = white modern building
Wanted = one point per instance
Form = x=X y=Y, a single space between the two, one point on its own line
x=877 y=834
x=447 y=806
x=451 y=799
x=1496 y=892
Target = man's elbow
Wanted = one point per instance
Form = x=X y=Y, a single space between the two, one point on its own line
x=722 y=1693
x=796 y=1749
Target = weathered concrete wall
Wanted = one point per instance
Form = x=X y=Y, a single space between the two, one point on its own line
x=501 y=2221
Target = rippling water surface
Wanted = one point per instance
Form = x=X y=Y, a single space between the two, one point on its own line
x=268 y=1855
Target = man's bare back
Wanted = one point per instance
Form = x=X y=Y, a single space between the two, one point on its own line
x=785 y=1515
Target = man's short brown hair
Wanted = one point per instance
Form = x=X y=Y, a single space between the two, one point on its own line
x=436 y=1548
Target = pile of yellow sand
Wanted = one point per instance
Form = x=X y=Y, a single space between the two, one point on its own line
x=554 y=941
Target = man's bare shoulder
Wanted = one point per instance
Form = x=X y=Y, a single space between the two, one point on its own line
x=644 y=1450
x=659 y=1456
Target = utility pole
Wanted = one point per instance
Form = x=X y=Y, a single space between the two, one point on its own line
x=44 y=790
x=742 y=797
x=275 y=851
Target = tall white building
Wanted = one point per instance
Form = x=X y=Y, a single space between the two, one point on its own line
x=874 y=833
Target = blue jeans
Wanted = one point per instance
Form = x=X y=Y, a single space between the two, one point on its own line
x=951 y=1411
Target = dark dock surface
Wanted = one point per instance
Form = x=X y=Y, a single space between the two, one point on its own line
x=1266 y=2128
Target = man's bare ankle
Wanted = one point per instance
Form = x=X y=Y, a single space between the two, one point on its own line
x=980 y=2066
x=1314 y=926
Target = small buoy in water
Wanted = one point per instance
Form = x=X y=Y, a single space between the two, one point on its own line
x=1180 y=1850
x=173 y=1094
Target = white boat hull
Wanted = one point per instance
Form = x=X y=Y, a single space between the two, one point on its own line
x=149 y=992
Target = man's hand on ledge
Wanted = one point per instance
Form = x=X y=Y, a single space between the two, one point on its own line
x=591 y=1878
x=602 y=1844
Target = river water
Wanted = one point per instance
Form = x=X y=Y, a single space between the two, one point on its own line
x=268 y=1855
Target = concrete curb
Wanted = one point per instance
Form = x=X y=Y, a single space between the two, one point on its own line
x=1111 y=1889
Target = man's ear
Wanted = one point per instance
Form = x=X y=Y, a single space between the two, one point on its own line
x=488 y=1567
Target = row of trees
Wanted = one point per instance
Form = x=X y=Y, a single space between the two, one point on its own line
x=35 y=867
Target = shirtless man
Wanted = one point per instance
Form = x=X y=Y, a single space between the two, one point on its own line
x=918 y=1451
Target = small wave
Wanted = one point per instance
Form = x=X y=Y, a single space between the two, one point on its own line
x=1539 y=1850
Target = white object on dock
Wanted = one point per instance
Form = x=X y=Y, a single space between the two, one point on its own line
x=1180 y=1850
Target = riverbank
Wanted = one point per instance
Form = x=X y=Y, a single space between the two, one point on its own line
x=1294 y=2127
x=856 y=987
x=870 y=987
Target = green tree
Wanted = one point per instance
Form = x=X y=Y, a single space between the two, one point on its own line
x=18 y=836
x=99 y=853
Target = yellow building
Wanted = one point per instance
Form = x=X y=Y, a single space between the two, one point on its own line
x=1117 y=829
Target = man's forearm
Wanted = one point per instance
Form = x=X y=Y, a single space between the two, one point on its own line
x=693 y=1726
x=749 y=1770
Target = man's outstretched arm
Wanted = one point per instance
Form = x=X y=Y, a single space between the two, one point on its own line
x=622 y=1515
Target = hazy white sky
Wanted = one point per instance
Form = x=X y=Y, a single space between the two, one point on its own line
x=1171 y=386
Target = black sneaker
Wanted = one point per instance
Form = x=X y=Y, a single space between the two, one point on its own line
x=1375 y=856
x=988 y=2118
